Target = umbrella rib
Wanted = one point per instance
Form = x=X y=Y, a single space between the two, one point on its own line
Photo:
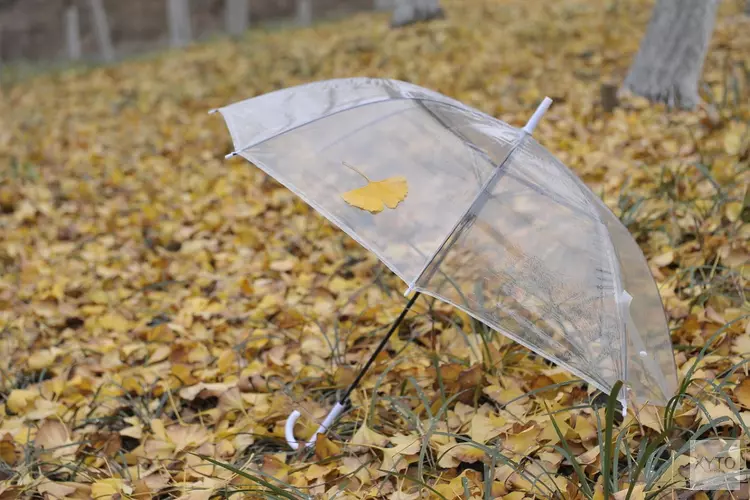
x=481 y=198
x=463 y=221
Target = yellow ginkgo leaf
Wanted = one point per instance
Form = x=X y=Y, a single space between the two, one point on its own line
x=389 y=192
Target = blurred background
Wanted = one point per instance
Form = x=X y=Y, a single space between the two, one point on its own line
x=58 y=30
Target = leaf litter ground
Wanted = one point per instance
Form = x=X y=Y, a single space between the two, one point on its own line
x=159 y=304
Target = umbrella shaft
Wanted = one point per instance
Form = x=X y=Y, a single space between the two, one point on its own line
x=380 y=347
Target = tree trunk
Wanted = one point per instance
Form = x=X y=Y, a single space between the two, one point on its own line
x=101 y=30
x=669 y=62
x=180 y=29
x=1 y=50
x=72 y=33
x=304 y=12
x=414 y=11
x=387 y=5
x=237 y=13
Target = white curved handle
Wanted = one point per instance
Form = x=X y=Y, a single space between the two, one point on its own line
x=337 y=410
x=289 y=429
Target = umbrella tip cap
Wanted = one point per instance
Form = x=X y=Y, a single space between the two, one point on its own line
x=537 y=116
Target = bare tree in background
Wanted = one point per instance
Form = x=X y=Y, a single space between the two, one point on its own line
x=72 y=32
x=101 y=30
x=180 y=28
x=414 y=11
x=304 y=12
x=236 y=14
x=387 y=4
x=670 y=60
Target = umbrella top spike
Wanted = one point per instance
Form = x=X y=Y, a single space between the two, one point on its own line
x=537 y=116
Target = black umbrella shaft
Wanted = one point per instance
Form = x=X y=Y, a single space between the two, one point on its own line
x=380 y=347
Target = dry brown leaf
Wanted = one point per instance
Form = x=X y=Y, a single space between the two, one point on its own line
x=366 y=438
x=55 y=490
x=53 y=435
x=742 y=393
x=397 y=456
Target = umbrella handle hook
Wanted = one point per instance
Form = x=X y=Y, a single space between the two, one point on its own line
x=337 y=410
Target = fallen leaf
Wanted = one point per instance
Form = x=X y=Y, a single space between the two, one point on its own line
x=114 y=321
x=389 y=192
x=55 y=489
x=325 y=448
x=19 y=399
x=367 y=438
x=742 y=393
x=396 y=457
x=54 y=436
x=664 y=259
x=110 y=488
x=485 y=427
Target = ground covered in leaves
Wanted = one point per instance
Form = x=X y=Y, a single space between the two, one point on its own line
x=158 y=303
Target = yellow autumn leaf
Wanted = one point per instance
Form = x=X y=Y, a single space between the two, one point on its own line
x=114 y=321
x=42 y=359
x=733 y=141
x=325 y=448
x=649 y=416
x=372 y=197
x=452 y=454
x=226 y=361
x=585 y=428
x=367 y=438
x=664 y=259
x=397 y=455
x=733 y=210
x=522 y=441
x=110 y=488
x=637 y=493
x=486 y=427
x=19 y=399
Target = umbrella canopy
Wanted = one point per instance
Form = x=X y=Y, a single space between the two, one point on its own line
x=475 y=212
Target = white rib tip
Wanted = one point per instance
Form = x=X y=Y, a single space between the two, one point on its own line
x=230 y=155
x=212 y=111
x=537 y=116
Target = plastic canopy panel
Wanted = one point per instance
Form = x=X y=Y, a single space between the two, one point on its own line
x=493 y=223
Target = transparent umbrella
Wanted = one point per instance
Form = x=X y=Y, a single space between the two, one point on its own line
x=480 y=216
